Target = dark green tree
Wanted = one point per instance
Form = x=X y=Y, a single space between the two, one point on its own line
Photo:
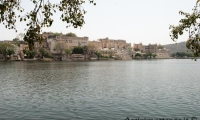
x=45 y=53
x=68 y=52
x=182 y=54
x=99 y=55
x=150 y=55
x=189 y=54
x=173 y=55
x=16 y=41
x=78 y=50
x=10 y=52
x=154 y=55
x=41 y=15
x=29 y=53
x=85 y=50
x=138 y=55
x=6 y=49
x=145 y=56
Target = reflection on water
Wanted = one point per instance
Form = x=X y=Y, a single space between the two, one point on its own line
x=99 y=90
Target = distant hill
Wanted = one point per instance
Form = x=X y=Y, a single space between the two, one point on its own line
x=176 y=47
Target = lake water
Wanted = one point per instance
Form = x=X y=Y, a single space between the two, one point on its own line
x=100 y=90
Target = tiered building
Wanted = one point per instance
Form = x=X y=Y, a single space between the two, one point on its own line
x=106 y=44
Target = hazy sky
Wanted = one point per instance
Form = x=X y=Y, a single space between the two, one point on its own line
x=135 y=21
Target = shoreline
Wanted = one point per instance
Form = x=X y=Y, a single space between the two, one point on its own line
x=51 y=60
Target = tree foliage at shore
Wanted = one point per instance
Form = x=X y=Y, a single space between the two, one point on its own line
x=60 y=47
x=91 y=48
x=29 y=53
x=190 y=24
x=98 y=54
x=68 y=51
x=78 y=50
x=182 y=54
x=138 y=55
x=41 y=16
x=6 y=49
x=44 y=53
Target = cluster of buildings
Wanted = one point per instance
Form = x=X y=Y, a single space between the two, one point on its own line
x=151 y=48
x=105 y=46
x=118 y=48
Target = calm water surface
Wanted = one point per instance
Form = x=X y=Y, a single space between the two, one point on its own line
x=100 y=90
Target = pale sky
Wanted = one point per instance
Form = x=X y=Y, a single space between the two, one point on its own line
x=135 y=21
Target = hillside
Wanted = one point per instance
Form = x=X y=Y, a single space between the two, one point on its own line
x=176 y=47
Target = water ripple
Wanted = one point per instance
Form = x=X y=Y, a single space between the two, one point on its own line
x=99 y=90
